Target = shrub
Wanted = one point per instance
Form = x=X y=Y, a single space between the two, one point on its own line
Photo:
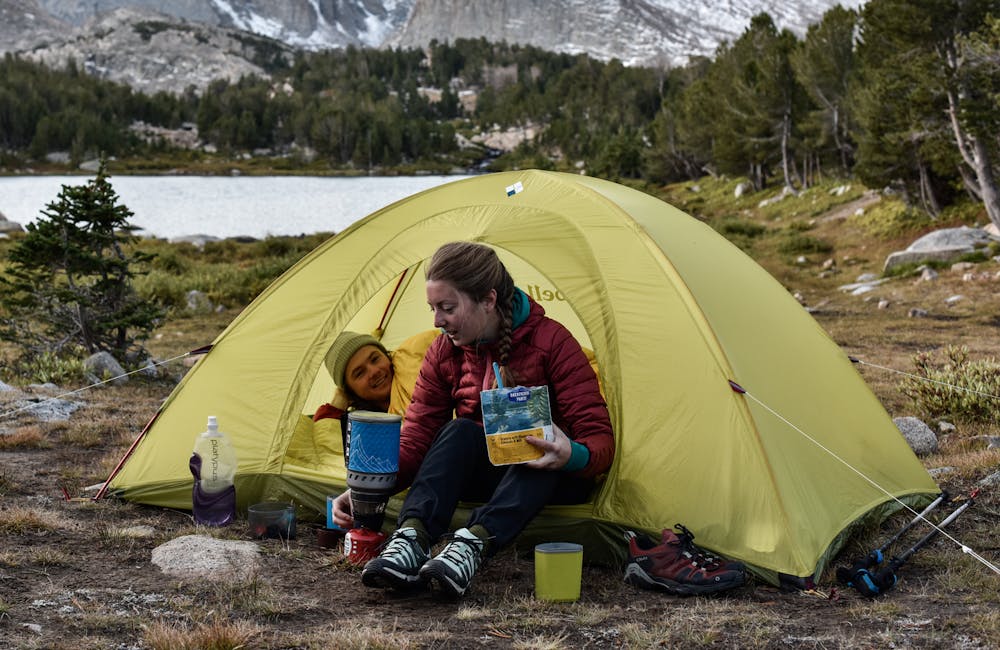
x=795 y=243
x=740 y=228
x=47 y=367
x=949 y=384
x=892 y=218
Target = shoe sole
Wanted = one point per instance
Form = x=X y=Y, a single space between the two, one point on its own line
x=441 y=586
x=382 y=577
x=635 y=576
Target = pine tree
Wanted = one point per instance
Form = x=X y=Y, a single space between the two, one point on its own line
x=923 y=112
x=824 y=66
x=69 y=282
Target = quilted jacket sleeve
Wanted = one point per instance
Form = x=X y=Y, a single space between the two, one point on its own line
x=430 y=409
x=578 y=407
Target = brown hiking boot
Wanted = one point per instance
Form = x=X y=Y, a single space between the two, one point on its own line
x=679 y=567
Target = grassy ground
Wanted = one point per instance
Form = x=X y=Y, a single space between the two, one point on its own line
x=77 y=574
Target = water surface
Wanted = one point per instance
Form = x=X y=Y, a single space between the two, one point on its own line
x=224 y=206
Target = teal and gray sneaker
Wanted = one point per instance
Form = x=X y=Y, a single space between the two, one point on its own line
x=398 y=565
x=450 y=572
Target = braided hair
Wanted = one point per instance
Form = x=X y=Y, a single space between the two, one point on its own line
x=475 y=269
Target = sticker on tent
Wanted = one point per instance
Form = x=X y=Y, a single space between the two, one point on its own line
x=515 y=188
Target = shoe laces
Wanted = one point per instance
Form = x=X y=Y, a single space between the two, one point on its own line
x=699 y=556
x=462 y=554
x=402 y=547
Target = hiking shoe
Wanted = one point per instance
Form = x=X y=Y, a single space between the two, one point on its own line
x=679 y=567
x=398 y=565
x=450 y=573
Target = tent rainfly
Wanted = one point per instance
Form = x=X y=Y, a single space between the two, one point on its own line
x=681 y=323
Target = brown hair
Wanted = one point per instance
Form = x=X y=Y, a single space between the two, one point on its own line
x=474 y=269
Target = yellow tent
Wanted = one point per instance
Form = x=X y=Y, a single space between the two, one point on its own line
x=674 y=313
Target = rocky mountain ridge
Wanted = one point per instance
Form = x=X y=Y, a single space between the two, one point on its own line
x=157 y=45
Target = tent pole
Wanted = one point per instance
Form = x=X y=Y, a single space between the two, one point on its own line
x=121 y=463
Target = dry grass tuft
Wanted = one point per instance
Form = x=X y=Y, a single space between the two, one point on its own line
x=366 y=635
x=49 y=557
x=88 y=434
x=542 y=642
x=218 y=634
x=27 y=437
x=11 y=559
x=7 y=484
x=19 y=520
x=252 y=596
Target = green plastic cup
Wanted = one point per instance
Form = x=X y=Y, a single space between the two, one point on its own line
x=558 y=569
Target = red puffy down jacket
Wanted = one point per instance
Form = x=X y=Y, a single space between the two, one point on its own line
x=543 y=352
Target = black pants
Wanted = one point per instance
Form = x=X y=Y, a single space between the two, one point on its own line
x=457 y=468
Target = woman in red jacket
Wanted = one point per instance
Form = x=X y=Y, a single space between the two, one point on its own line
x=443 y=457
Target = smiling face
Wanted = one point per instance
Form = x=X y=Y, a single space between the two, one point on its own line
x=463 y=319
x=369 y=375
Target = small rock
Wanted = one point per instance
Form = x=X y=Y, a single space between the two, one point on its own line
x=940 y=471
x=198 y=302
x=829 y=263
x=918 y=435
x=991 y=480
x=799 y=297
x=150 y=369
x=928 y=275
x=946 y=427
x=962 y=266
x=916 y=312
x=198 y=241
x=867 y=277
x=138 y=532
x=200 y=556
x=101 y=367
x=951 y=300
x=48 y=410
x=801 y=259
x=883 y=304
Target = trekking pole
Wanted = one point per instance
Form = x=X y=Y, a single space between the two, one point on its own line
x=886 y=578
x=860 y=576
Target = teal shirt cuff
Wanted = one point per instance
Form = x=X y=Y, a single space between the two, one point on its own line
x=578 y=458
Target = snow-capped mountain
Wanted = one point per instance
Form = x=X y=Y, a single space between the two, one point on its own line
x=173 y=39
x=635 y=31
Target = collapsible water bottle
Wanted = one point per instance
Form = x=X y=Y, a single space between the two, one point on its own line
x=213 y=465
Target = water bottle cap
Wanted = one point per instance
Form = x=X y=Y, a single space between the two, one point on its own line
x=212 y=422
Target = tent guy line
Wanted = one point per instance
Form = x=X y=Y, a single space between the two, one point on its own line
x=35 y=405
x=927 y=379
x=919 y=515
x=736 y=387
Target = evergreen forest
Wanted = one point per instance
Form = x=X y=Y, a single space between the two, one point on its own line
x=900 y=94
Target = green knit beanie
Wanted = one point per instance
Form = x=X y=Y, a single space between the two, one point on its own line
x=343 y=348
